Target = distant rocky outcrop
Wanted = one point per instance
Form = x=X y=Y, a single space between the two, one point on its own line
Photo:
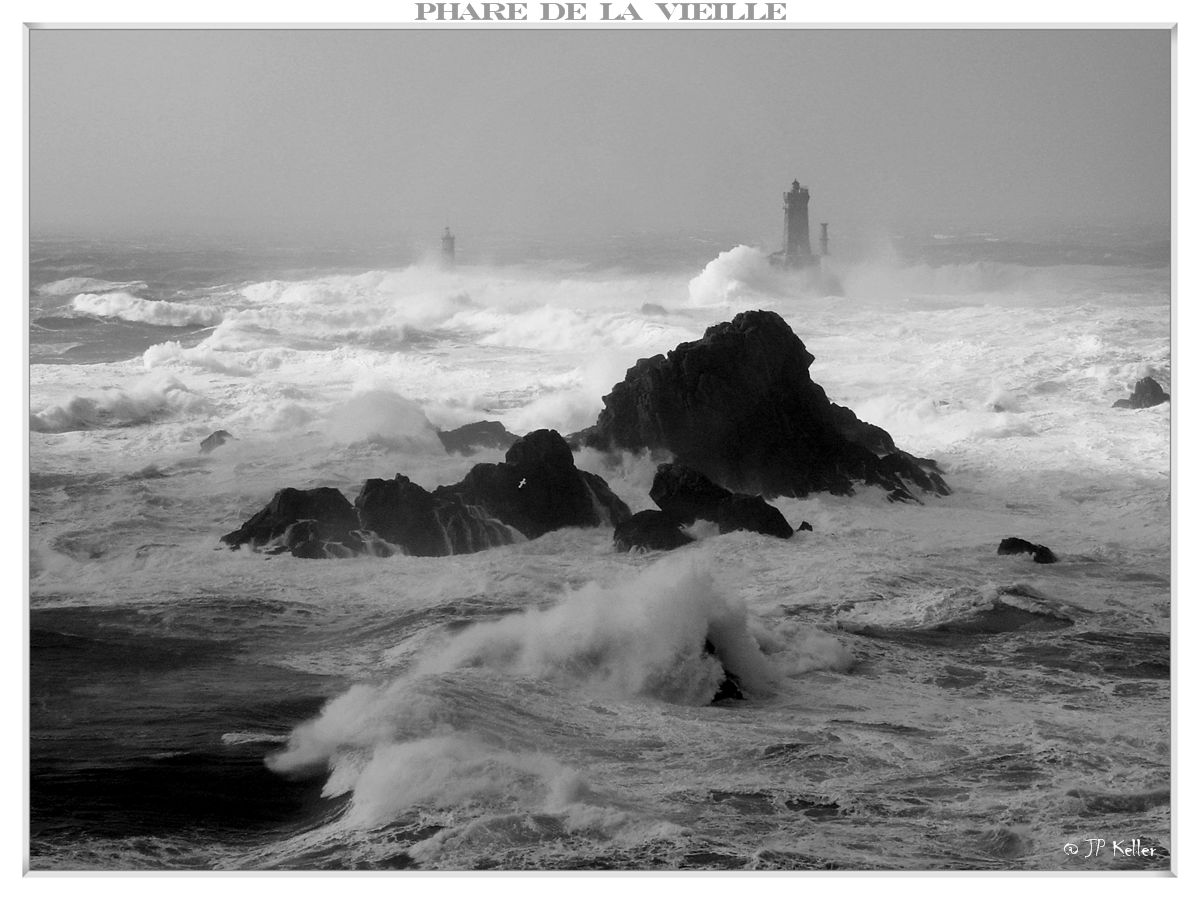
x=1146 y=393
x=1013 y=546
x=535 y=490
x=739 y=406
x=214 y=440
x=467 y=439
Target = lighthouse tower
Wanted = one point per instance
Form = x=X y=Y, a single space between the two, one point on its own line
x=797 y=252
x=447 y=249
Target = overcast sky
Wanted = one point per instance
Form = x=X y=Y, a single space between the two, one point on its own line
x=591 y=131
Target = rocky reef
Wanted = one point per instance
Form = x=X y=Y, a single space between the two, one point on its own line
x=535 y=490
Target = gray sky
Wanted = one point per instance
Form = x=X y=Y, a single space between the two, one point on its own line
x=591 y=131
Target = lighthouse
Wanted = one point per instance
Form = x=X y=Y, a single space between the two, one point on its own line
x=797 y=252
x=447 y=249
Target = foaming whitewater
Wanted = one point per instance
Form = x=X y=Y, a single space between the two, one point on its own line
x=910 y=698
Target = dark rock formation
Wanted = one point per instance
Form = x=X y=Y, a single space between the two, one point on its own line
x=1146 y=393
x=537 y=489
x=804 y=526
x=739 y=406
x=313 y=524
x=477 y=436
x=651 y=529
x=1012 y=546
x=405 y=514
x=214 y=440
x=686 y=495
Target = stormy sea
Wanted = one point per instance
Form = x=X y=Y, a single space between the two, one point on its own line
x=909 y=699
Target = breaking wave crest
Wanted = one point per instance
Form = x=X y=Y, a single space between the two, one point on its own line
x=127 y=307
x=147 y=400
x=430 y=739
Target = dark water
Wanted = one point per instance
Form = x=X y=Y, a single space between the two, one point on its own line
x=127 y=724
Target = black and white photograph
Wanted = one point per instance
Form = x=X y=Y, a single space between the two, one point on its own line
x=563 y=449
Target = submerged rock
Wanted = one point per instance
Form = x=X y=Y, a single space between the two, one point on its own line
x=477 y=436
x=650 y=529
x=686 y=495
x=1011 y=546
x=214 y=440
x=315 y=524
x=739 y=406
x=1146 y=393
x=535 y=490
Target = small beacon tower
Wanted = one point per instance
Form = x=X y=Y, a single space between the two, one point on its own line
x=797 y=252
x=824 y=238
x=447 y=249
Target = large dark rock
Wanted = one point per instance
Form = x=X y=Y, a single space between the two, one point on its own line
x=316 y=523
x=740 y=406
x=1012 y=546
x=650 y=529
x=477 y=436
x=685 y=495
x=538 y=489
x=1146 y=393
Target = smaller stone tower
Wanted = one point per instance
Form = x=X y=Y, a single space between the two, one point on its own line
x=447 y=249
x=824 y=238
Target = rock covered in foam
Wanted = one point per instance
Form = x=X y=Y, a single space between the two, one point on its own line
x=1146 y=393
x=1013 y=546
x=740 y=406
x=535 y=490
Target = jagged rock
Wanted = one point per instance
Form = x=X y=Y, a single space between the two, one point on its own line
x=650 y=529
x=804 y=526
x=214 y=440
x=1146 y=393
x=739 y=406
x=314 y=524
x=686 y=495
x=538 y=489
x=403 y=513
x=1011 y=546
x=477 y=436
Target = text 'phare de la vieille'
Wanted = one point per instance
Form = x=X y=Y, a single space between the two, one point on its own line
x=604 y=12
